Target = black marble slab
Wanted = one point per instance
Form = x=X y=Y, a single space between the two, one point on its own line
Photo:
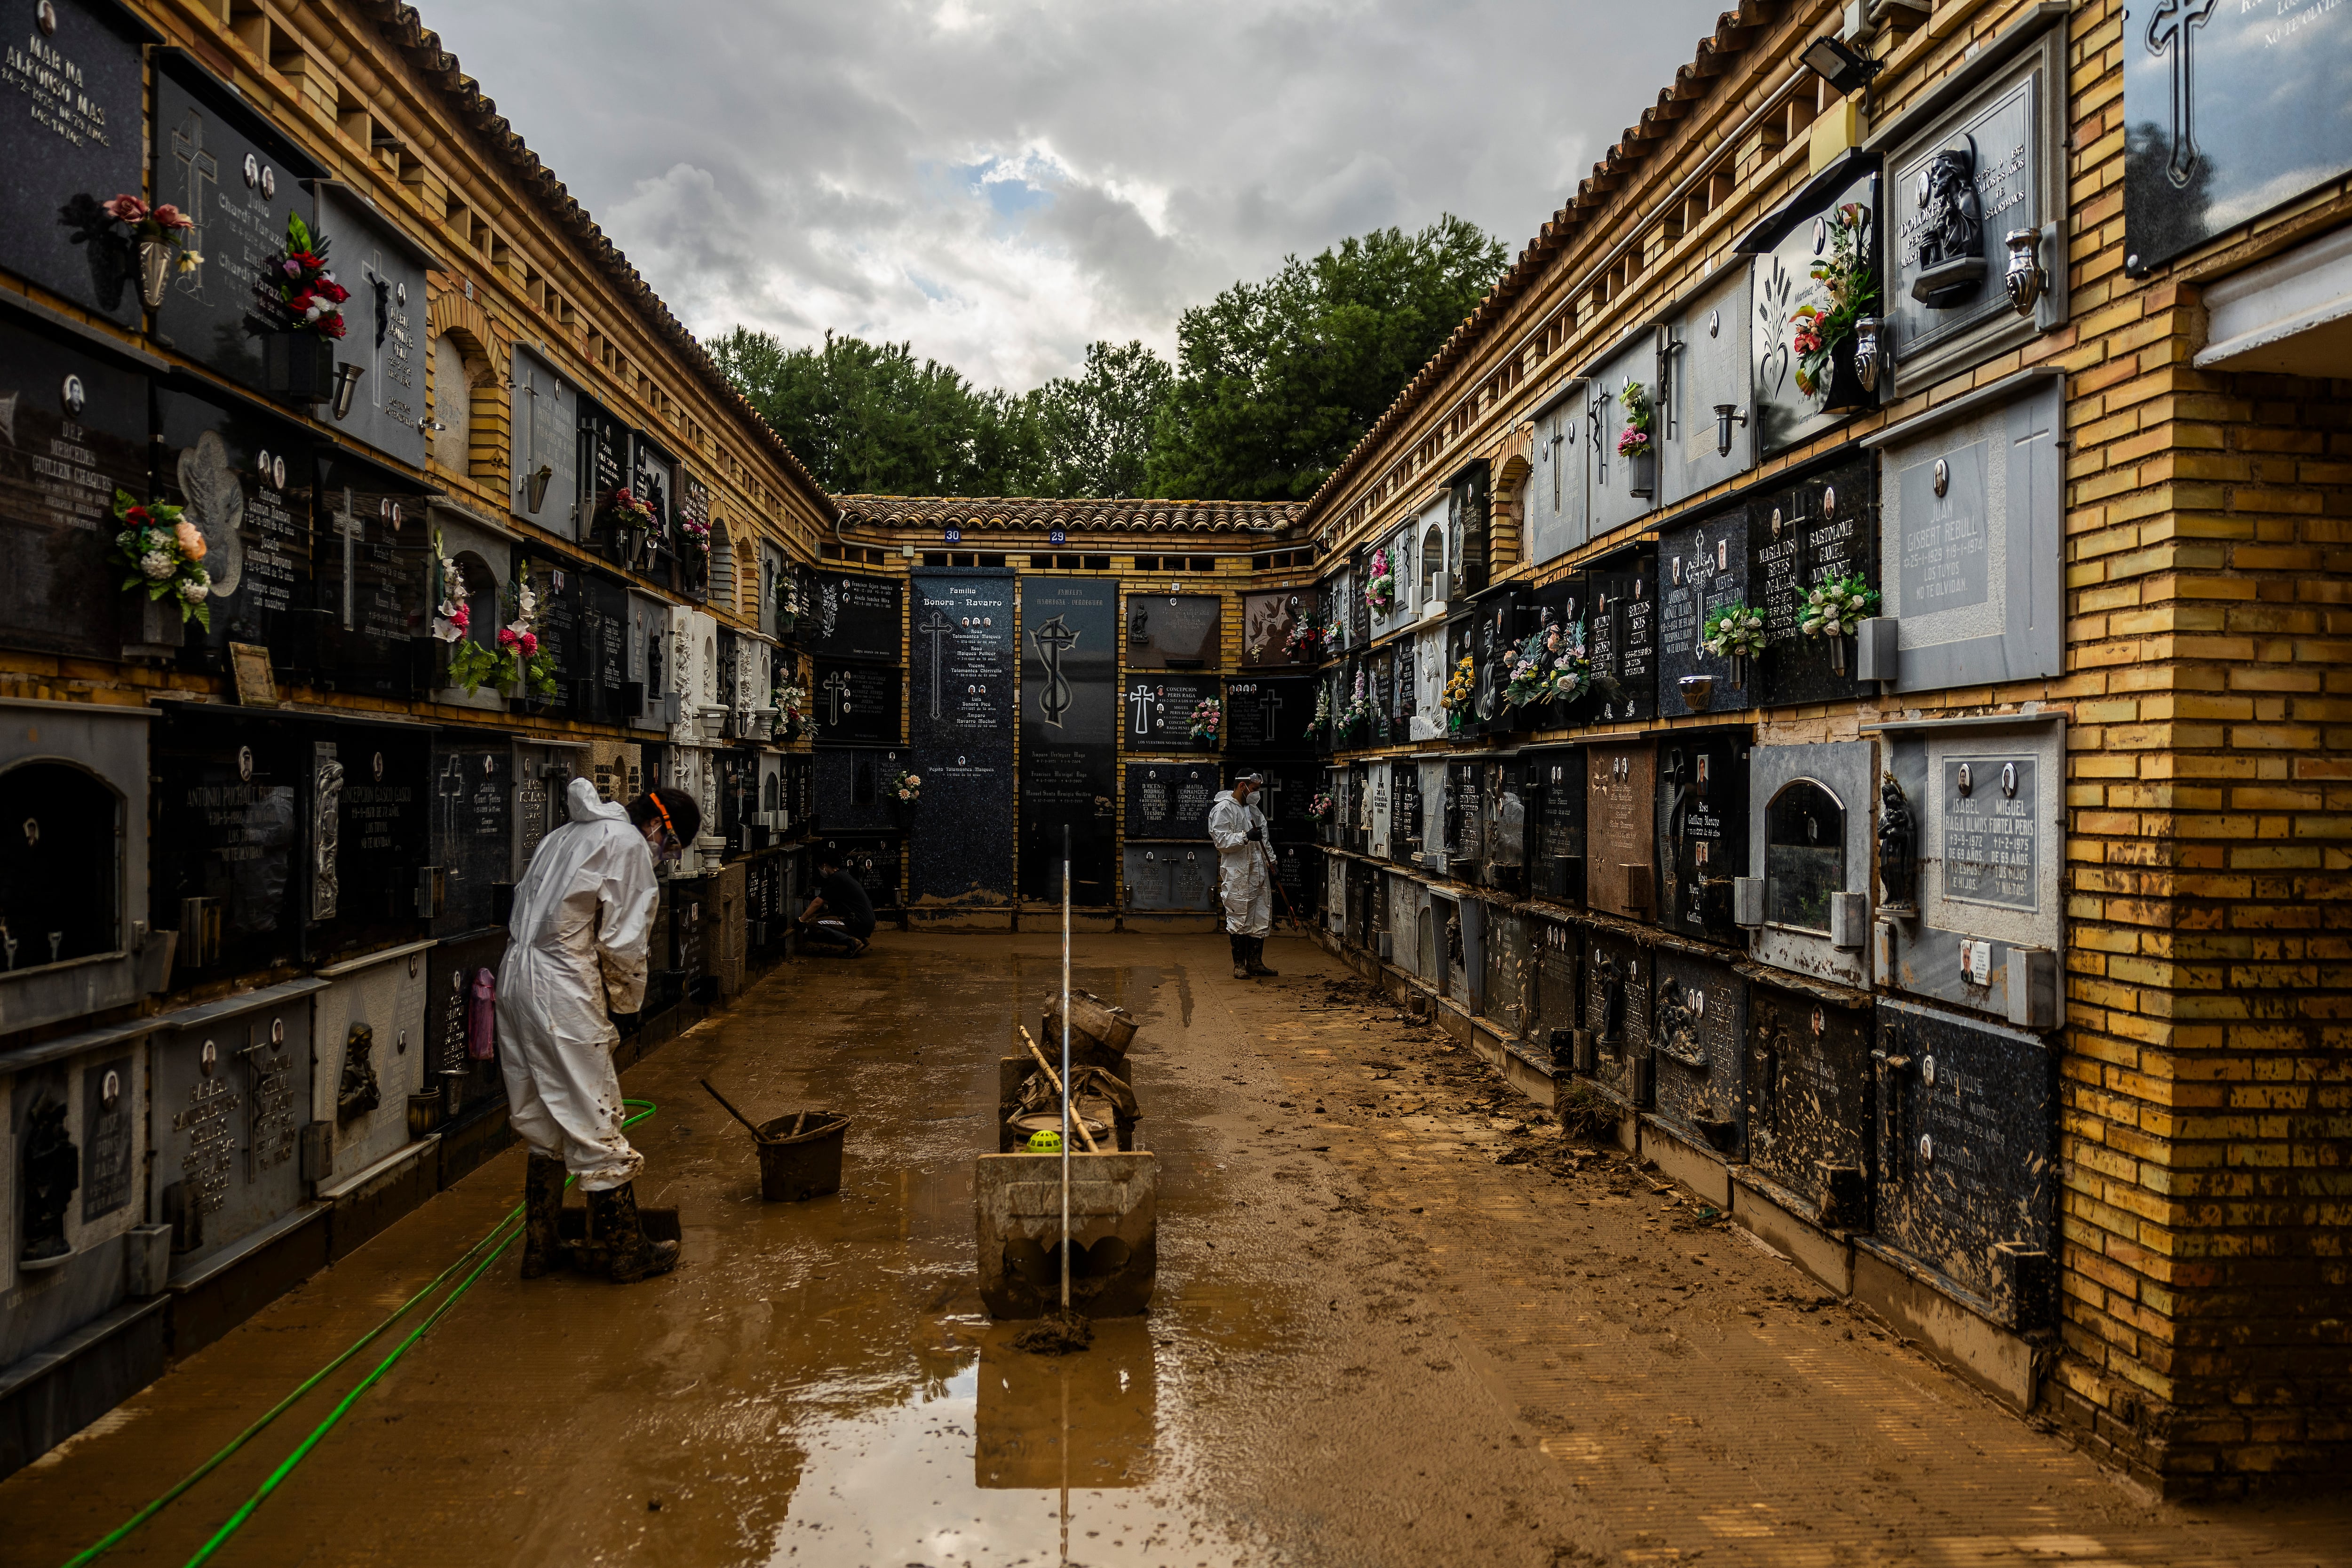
x=1171 y=800
x=1555 y=824
x=1808 y=1092
x=1156 y=711
x=1267 y=717
x=231 y=799
x=854 y=617
x=1625 y=638
x=876 y=861
x=962 y=720
x=249 y=483
x=79 y=433
x=1172 y=631
x=1702 y=568
x=381 y=819
x=71 y=143
x=1799 y=538
x=1070 y=736
x=857 y=704
x=853 y=790
x=1699 y=1038
x=1968 y=1154
x=1702 y=830
x=1405 y=818
x=1617 y=1014
x=1556 y=1000
x=472 y=831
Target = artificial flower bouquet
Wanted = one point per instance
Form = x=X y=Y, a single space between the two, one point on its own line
x=1837 y=607
x=305 y=287
x=1380 y=584
x=907 y=787
x=161 y=223
x=1849 y=290
x=1208 y=718
x=1735 y=631
x=164 y=553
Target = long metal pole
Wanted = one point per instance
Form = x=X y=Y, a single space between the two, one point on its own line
x=1066 y=1069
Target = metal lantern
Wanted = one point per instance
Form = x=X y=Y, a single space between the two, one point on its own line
x=1727 y=415
x=347 y=386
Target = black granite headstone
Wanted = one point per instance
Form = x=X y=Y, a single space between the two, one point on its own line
x=373 y=558
x=1558 y=985
x=1969 y=1172
x=1563 y=603
x=1798 y=539
x=382 y=831
x=1070 y=736
x=227 y=168
x=1405 y=811
x=1267 y=718
x=1298 y=875
x=853 y=618
x=1702 y=830
x=1702 y=568
x=79 y=433
x=72 y=143
x=1698 y=1036
x=857 y=704
x=384 y=337
x=109 y=1154
x=1156 y=711
x=1809 y=1100
x=2228 y=112
x=853 y=790
x=257 y=524
x=1172 y=631
x=1171 y=800
x=471 y=800
x=230 y=802
x=873 y=861
x=1625 y=638
x=1556 y=825
x=961 y=690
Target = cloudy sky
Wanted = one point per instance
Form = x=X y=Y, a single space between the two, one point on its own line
x=1002 y=183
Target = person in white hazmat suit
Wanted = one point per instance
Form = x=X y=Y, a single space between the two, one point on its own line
x=576 y=954
x=1244 y=873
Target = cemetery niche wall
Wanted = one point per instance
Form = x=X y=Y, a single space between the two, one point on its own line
x=1069 y=718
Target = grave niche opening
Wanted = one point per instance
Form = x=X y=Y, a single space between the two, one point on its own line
x=61 y=881
x=1811 y=828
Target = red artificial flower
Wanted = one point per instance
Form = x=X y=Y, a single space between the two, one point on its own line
x=333 y=291
x=137 y=517
x=125 y=208
x=299 y=301
x=506 y=636
x=331 y=326
x=530 y=641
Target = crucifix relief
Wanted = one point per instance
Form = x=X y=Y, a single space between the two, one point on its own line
x=938 y=628
x=836 y=696
x=1142 y=702
x=348 y=527
x=199 y=173
x=2169 y=25
x=1054 y=639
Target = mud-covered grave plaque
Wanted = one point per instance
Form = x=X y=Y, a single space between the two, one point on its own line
x=1703 y=813
x=1991 y=832
x=1969 y=1172
x=1621 y=829
x=1699 y=1032
x=1617 y=1013
x=1170 y=800
x=1808 y=1091
x=1172 y=631
x=1558 y=966
x=1165 y=878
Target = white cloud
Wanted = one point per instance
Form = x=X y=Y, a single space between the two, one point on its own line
x=1002 y=184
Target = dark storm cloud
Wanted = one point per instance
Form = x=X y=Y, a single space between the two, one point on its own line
x=1002 y=184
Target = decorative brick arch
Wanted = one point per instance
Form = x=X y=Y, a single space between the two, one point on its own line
x=486 y=354
x=1514 y=461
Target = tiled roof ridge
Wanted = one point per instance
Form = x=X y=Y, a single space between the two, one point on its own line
x=1147 y=513
x=471 y=107
x=1734 y=31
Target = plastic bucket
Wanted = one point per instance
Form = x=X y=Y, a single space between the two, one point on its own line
x=795 y=1169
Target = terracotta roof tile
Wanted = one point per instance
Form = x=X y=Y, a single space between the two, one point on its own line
x=1008 y=513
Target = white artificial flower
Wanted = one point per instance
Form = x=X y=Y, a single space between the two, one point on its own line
x=157 y=564
x=195 y=592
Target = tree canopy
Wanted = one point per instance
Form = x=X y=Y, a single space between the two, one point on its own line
x=1275 y=383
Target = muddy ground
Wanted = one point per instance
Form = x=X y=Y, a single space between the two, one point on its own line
x=1403 y=1318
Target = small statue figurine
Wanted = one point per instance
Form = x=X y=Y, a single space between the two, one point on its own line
x=1611 y=1035
x=52 y=1172
x=358 y=1093
x=1898 y=847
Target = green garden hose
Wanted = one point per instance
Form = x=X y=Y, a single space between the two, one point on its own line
x=498 y=1234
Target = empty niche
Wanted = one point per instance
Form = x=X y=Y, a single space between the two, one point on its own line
x=1804 y=855
x=59 y=881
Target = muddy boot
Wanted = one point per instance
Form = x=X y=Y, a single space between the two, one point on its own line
x=621 y=1234
x=1256 y=958
x=1241 y=954
x=543 y=1204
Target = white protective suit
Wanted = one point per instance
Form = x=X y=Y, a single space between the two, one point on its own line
x=575 y=952
x=1245 y=881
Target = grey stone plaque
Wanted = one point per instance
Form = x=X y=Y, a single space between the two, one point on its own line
x=1613 y=503
x=1785 y=246
x=1710 y=367
x=545 y=473
x=1172 y=631
x=1555 y=509
x=1993 y=848
x=110 y=1156
x=1164 y=878
x=385 y=331
x=1974 y=573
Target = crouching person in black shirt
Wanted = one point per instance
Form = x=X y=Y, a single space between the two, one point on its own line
x=840 y=917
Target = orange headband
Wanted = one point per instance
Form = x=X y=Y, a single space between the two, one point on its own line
x=668 y=825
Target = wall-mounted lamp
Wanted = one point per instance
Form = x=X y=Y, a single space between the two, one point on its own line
x=1727 y=415
x=2025 y=278
x=1872 y=353
x=534 y=487
x=1840 y=67
x=347 y=386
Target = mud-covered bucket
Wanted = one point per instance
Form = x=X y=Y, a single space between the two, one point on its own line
x=797 y=1166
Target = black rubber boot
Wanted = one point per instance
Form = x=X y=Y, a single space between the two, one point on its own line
x=1257 y=958
x=1241 y=954
x=613 y=1225
x=542 y=1202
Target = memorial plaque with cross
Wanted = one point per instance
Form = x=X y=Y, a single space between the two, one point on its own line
x=385 y=330
x=1158 y=711
x=1070 y=736
x=1623 y=638
x=857 y=704
x=232 y=1088
x=1170 y=800
x=1702 y=568
x=74 y=143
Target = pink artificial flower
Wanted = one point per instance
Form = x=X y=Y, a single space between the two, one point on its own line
x=170 y=216
x=461 y=618
x=529 y=644
x=125 y=208
x=506 y=636
x=192 y=542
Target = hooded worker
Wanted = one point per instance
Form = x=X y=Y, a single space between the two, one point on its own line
x=575 y=956
x=1244 y=873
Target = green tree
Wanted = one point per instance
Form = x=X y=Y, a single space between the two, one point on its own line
x=871 y=419
x=1276 y=381
x=1095 y=428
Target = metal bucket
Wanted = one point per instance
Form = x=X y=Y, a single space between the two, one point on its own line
x=794 y=1169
